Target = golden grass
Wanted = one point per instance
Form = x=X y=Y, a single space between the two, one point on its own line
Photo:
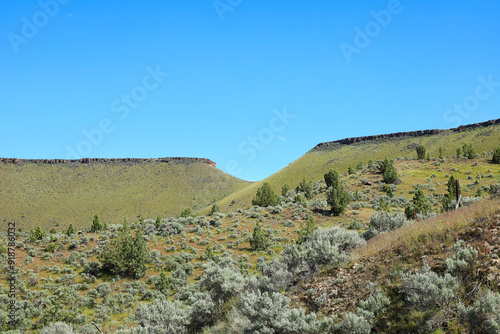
x=438 y=228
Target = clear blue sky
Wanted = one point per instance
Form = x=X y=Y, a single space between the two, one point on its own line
x=208 y=78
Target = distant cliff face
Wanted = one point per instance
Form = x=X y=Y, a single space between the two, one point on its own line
x=349 y=141
x=181 y=160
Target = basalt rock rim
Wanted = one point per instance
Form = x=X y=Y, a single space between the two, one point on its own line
x=420 y=133
x=185 y=160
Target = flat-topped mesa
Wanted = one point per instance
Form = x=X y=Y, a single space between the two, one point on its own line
x=349 y=141
x=182 y=160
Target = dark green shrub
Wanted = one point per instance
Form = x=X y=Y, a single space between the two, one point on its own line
x=258 y=240
x=285 y=189
x=96 y=225
x=332 y=178
x=338 y=198
x=265 y=196
x=496 y=155
x=420 y=152
x=37 y=234
x=71 y=230
x=127 y=255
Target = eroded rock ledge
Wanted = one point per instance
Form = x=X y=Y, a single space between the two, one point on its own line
x=182 y=160
x=349 y=141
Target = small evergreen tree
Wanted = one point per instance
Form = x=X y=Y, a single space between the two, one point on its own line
x=163 y=284
x=468 y=151
x=96 y=225
x=332 y=178
x=158 y=222
x=265 y=196
x=387 y=189
x=186 y=213
x=71 y=230
x=285 y=189
x=126 y=255
x=409 y=212
x=214 y=209
x=37 y=234
x=338 y=198
x=452 y=188
x=359 y=166
x=388 y=171
x=350 y=170
x=441 y=153
x=420 y=152
x=306 y=231
x=421 y=202
x=306 y=188
x=496 y=155
x=258 y=241
x=459 y=152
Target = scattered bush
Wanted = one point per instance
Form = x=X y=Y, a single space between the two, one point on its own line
x=271 y=313
x=265 y=196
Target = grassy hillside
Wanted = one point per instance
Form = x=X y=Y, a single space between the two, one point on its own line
x=57 y=195
x=315 y=163
x=57 y=280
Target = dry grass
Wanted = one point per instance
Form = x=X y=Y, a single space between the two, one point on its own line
x=436 y=229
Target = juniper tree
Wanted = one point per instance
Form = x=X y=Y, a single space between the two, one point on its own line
x=338 y=198
x=306 y=188
x=420 y=152
x=468 y=151
x=452 y=188
x=284 y=189
x=420 y=202
x=306 y=231
x=126 y=255
x=214 y=209
x=96 y=224
x=71 y=230
x=186 y=213
x=332 y=178
x=388 y=171
x=265 y=196
x=441 y=154
x=496 y=156
x=37 y=234
x=258 y=240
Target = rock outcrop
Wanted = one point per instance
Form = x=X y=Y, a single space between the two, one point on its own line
x=349 y=141
x=181 y=160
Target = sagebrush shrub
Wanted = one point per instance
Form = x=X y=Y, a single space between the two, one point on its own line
x=383 y=221
x=162 y=317
x=484 y=316
x=271 y=313
x=58 y=328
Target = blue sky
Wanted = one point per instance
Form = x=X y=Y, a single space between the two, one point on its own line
x=252 y=85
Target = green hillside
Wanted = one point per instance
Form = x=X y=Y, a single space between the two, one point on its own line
x=54 y=195
x=315 y=163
